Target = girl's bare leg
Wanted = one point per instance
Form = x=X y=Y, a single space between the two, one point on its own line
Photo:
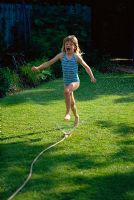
x=74 y=110
x=67 y=93
x=73 y=105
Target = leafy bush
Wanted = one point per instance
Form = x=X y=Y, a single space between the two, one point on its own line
x=48 y=30
x=31 y=78
x=45 y=75
x=9 y=81
x=5 y=80
x=15 y=82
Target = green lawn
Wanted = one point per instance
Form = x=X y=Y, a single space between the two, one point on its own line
x=95 y=163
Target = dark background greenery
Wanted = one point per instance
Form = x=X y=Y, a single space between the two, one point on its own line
x=48 y=30
x=108 y=35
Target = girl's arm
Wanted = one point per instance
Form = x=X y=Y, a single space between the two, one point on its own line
x=87 y=68
x=48 y=63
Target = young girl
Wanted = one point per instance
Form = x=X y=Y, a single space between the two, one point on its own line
x=70 y=57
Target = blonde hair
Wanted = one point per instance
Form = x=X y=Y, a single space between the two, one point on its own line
x=74 y=40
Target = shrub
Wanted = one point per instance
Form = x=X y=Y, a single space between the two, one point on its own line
x=45 y=75
x=9 y=81
x=31 y=78
x=15 y=82
x=5 y=80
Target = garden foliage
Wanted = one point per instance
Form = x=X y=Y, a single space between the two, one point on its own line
x=47 y=33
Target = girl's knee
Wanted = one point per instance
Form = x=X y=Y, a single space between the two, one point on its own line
x=66 y=92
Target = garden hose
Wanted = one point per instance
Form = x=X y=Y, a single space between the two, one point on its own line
x=66 y=134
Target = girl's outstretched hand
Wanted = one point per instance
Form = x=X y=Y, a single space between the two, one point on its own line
x=35 y=68
x=93 y=80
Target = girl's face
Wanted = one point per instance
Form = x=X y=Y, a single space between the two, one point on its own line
x=69 y=47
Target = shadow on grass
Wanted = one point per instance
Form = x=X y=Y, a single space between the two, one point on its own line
x=107 y=84
x=60 y=174
x=17 y=158
x=125 y=140
x=125 y=100
x=122 y=128
x=30 y=134
x=41 y=95
x=63 y=175
x=107 y=187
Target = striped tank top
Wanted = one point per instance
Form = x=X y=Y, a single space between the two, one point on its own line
x=70 y=69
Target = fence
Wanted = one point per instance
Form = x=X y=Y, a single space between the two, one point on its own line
x=15 y=19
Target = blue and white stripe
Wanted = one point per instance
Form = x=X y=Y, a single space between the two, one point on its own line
x=69 y=69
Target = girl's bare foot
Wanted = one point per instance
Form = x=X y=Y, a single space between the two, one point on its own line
x=67 y=117
x=76 y=121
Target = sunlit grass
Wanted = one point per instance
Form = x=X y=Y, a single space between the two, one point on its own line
x=95 y=163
